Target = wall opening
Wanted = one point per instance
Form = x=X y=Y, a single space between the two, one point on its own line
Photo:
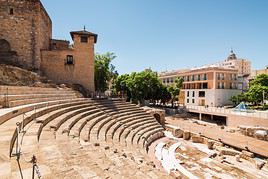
x=69 y=60
x=158 y=118
x=84 y=39
x=11 y=11
x=7 y=56
x=4 y=46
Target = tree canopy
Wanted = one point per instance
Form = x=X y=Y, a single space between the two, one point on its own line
x=175 y=90
x=257 y=92
x=146 y=85
x=104 y=71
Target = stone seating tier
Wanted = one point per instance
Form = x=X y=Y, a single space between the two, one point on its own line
x=94 y=123
x=18 y=90
x=17 y=96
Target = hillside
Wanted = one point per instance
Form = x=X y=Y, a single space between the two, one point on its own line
x=15 y=76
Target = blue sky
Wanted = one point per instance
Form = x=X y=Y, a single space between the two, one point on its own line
x=167 y=34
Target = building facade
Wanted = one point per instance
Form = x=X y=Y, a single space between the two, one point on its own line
x=211 y=86
x=255 y=73
x=242 y=65
x=26 y=41
x=72 y=64
x=25 y=29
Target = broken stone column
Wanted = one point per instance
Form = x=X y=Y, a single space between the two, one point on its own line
x=186 y=135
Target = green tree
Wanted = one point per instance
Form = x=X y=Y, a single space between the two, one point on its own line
x=261 y=80
x=175 y=90
x=163 y=94
x=104 y=71
x=140 y=86
x=239 y=98
x=120 y=86
x=258 y=90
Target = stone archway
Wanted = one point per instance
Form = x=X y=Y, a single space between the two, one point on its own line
x=158 y=114
x=157 y=117
x=4 y=46
x=7 y=56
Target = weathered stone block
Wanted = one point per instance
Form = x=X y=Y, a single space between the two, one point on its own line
x=186 y=135
x=237 y=158
x=231 y=152
x=259 y=164
x=197 y=139
x=210 y=144
x=247 y=153
x=178 y=133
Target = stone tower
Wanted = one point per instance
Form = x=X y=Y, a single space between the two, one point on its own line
x=25 y=30
x=73 y=64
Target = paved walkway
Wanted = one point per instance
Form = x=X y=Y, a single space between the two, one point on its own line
x=226 y=112
x=233 y=139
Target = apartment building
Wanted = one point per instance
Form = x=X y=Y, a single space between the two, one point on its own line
x=232 y=61
x=208 y=86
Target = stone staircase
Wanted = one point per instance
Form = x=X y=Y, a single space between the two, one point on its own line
x=74 y=137
x=11 y=96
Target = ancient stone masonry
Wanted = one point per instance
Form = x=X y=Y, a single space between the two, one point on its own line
x=74 y=64
x=26 y=28
x=26 y=41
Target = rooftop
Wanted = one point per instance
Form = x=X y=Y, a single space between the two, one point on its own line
x=84 y=33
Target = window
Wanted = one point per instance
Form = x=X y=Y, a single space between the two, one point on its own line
x=84 y=39
x=219 y=85
x=188 y=93
x=193 y=101
x=204 y=86
x=193 y=93
x=192 y=77
x=188 y=101
x=205 y=76
x=202 y=94
x=69 y=60
x=198 y=77
x=218 y=76
x=11 y=11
